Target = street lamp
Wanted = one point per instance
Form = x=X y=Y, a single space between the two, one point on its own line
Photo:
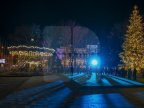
x=72 y=50
x=94 y=62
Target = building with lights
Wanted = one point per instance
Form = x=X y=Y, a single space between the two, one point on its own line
x=81 y=56
x=30 y=57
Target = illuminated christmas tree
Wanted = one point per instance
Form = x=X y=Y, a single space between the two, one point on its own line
x=133 y=46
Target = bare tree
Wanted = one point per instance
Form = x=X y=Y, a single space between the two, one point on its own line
x=56 y=36
x=29 y=35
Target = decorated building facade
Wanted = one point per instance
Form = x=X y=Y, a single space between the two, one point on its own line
x=31 y=57
x=81 y=55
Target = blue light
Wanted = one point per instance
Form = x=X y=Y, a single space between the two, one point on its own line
x=94 y=62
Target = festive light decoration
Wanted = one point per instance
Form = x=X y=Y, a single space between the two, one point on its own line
x=82 y=56
x=133 y=46
x=30 y=47
x=30 y=55
x=34 y=51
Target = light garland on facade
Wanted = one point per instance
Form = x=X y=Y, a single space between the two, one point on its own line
x=31 y=56
x=31 y=51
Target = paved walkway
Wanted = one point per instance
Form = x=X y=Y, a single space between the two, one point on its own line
x=111 y=100
x=58 y=94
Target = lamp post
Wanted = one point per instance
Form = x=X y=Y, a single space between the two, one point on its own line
x=72 y=50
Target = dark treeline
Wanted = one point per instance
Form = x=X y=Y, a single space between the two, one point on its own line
x=52 y=36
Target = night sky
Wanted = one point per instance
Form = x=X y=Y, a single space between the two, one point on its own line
x=107 y=18
x=96 y=15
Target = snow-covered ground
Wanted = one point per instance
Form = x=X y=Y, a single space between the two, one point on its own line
x=74 y=75
x=104 y=80
x=127 y=80
x=95 y=81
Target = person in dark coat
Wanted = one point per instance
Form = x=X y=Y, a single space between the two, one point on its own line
x=129 y=73
x=134 y=74
x=124 y=72
x=121 y=72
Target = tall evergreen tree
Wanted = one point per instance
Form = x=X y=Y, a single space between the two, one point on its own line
x=133 y=46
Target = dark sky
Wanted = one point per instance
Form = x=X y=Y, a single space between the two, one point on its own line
x=95 y=14
x=98 y=15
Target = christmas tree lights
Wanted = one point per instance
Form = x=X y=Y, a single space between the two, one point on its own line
x=133 y=46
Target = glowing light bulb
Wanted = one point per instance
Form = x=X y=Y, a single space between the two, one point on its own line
x=94 y=62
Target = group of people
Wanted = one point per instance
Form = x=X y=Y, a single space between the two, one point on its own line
x=121 y=72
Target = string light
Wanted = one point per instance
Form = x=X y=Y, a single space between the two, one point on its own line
x=31 y=47
x=133 y=46
x=34 y=51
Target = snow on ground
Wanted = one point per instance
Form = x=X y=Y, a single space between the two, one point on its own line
x=74 y=75
x=127 y=80
x=106 y=82
x=121 y=82
x=93 y=81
